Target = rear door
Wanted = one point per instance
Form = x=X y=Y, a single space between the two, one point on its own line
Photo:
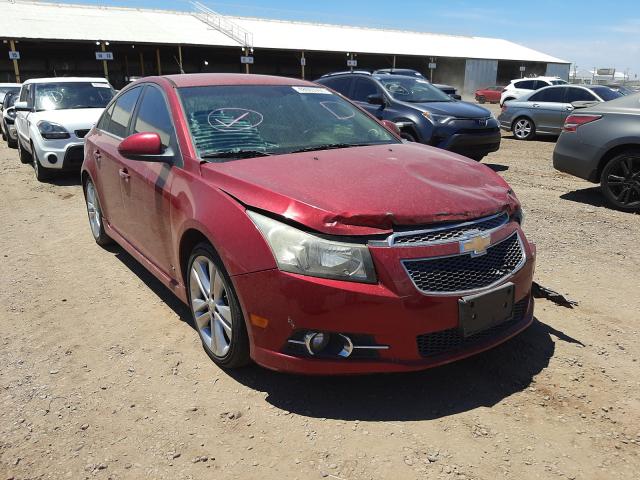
x=146 y=186
x=547 y=107
x=113 y=127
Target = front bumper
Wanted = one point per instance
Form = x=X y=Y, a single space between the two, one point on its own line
x=64 y=154
x=476 y=144
x=391 y=313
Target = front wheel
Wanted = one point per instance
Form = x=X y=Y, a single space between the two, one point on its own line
x=620 y=181
x=25 y=157
x=42 y=174
x=216 y=310
x=524 y=129
x=407 y=136
x=96 y=221
x=481 y=99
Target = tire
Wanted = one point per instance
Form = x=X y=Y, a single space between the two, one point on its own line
x=215 y=309
x=25 y=157
x=620 y=181
x=94 y=212
x=408 y=136
x=481 y=99
x=523 y=128
x=3 y=129
x=42 y=174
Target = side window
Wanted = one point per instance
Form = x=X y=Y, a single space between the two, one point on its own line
x=548 y=95
x=103 y=123
x=121 y=114
x=23 y=93
x=579 y=94
x=153 y=116
x=364 y=87
x=339 y=84
x=538 y=84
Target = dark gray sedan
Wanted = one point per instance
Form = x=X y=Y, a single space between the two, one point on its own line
x=602 y=144
x=543 y=112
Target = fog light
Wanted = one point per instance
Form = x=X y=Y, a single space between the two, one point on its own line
x=52 y=158
x=316 y=342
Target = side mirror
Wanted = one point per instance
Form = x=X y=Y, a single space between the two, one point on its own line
x=389 y=125
x=455 y=96
x=145 y=146
x=584 y=103
x=21 y=107
x=375 y=99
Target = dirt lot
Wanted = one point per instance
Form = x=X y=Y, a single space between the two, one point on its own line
x=103 y=377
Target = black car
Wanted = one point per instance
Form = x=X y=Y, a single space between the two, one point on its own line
x=408 y=72
x=422 y=112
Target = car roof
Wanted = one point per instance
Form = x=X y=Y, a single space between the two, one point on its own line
x=10 y=84
x=67 y=80
x=212 y=79
x=346 y=72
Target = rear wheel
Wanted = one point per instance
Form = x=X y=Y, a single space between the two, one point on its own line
x=25 y=157
x=94 y=211
x=523 y=128
x=620 y=181
x=216 y=310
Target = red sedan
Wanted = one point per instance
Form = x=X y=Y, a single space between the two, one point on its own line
x=303 y=233
x=489 y=94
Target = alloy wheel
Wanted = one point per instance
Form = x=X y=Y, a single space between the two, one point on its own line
x=522 y=129
x=210 y=306
x=93 y=209
x=622 y=180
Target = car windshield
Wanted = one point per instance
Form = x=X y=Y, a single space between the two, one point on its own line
x=68 y=95
x=414 y=90
x=232 y=122
x=10 y=99
x=605 y=93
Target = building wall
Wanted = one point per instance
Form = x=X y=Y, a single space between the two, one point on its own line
x=479 y=74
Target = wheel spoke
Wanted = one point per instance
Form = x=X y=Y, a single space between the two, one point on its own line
x=202 y=279
x=203 y=320
x=219 y=344
x=199 y=304
x=626 y=168
x=217 y=288
x=224 y=316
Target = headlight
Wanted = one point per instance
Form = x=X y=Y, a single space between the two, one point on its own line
x=307 y=254
x=52 y=131
x=435 y=118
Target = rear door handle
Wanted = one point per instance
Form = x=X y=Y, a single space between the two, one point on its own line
x=124 y=173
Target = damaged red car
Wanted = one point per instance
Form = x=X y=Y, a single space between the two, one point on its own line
x=302 y=233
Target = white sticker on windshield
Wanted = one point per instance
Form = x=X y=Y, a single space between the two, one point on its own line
x=320 y=90
x=100 y=85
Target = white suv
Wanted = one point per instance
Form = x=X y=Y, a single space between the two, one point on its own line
x=52 y=117
x=522 y=86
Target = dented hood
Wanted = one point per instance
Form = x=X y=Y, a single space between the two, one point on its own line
x=365 y=190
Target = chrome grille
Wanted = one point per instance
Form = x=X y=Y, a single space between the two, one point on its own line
x=450 y=232
x=452 y=340
x=466 y=272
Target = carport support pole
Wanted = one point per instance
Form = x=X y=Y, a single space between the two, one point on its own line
x=16 y=69
x=141 y=64
x=158 y=61
x=180 y=58
x=104 y=62
x=393 y=66
x=302 y=63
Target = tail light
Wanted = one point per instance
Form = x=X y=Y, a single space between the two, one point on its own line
x=572 y=122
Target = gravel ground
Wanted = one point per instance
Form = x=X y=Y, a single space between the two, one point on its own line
x=103 y=377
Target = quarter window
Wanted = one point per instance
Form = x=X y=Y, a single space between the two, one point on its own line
x=153 y=116
x=103 y=124
x=121 y=115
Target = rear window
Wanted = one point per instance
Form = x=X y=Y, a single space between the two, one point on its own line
x=606 y=94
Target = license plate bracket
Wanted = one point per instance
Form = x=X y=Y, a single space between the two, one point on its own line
x=482 y=311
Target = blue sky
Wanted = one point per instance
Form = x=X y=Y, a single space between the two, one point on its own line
x=586 y=32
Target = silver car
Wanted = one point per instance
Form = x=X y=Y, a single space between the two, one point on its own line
x=544 y=111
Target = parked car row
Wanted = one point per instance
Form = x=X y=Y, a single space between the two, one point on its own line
x=291 y=221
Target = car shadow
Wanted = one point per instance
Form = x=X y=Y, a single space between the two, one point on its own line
x=480 y=381
x=65 y=179
x=538 y=138
x=497 y=167
x=590 y=196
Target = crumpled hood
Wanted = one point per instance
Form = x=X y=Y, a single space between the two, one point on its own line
x=454 y=109
x=365 y=190
x=71 y=119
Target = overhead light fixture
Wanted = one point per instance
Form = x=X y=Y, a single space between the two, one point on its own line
x=106 y=43
x=97 y=43
x=206 y=62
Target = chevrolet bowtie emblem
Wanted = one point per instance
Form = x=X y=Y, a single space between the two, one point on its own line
x=476 y=245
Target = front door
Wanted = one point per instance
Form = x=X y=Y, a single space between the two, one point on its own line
x=146 y=186
x=547 y=106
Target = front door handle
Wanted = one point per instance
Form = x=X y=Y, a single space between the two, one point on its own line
x=124 y=173
x=536 y=105
x=569 y=108
x=97 y=156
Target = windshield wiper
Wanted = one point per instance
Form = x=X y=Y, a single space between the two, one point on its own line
x=236 y=154
x=329 y=146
